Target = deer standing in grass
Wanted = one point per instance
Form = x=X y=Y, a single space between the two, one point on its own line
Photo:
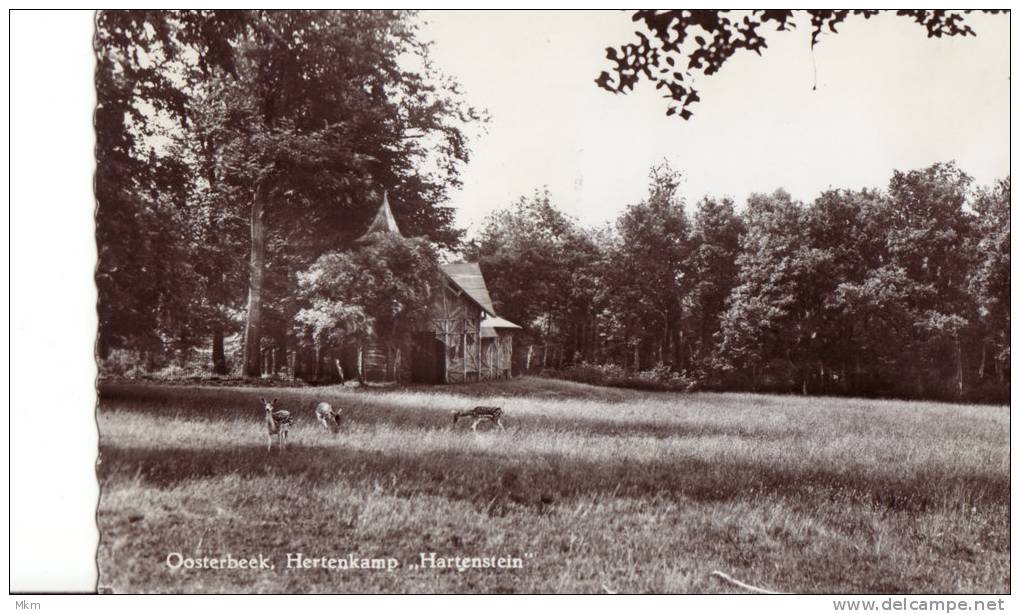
x=278 y=422
x=481 y=413
x=328 y=417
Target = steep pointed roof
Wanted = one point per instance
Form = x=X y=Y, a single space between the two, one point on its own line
x=468 y=277
x=382 y=222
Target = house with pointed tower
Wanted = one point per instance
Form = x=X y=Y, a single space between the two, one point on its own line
x=464 y=340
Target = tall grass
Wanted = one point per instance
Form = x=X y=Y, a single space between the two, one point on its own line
x=606 y=489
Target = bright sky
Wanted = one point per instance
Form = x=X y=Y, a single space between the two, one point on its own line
x=887 y=98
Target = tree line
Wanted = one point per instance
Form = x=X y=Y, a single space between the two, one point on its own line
x=239 y=155
x=902 y=291
x=235 y=150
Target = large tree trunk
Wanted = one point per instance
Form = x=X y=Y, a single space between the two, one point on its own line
x=959 y=366
x=679 y=349
x=257 y=264
x=280 y=355
x=665 y=348
x=219 y=357
x=361 y=364
x=984 y=355
x=858 y=376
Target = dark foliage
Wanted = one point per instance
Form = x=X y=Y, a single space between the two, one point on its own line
x=902 y=292
x=212 y=124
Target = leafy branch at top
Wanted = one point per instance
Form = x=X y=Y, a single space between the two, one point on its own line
x=685 y=43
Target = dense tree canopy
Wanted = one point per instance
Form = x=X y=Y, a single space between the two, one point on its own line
x=716 y=237
x=902 y=291
x=240 y=153
x=266 y=136
x=143 y=225
x=380 y=292
x=989 y=283
x=648 y=270
x=542 y=269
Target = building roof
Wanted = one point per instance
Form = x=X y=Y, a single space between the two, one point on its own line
x=382 y=222
x=465 y=275
x=468 y=277
x=498 y=322
x=492 y=324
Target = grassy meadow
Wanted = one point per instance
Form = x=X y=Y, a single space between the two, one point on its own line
x=595 y=489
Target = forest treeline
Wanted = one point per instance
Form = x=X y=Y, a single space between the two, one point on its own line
x=901 y=291
x=241 y=152
x=240 y=155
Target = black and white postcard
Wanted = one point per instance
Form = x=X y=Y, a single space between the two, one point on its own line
x=554 y=302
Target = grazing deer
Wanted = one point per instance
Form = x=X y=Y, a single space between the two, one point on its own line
x=493 y=414
x=278 y=422
x=328 y=417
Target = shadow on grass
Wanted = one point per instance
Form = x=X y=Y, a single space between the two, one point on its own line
x=539 y=480
x=527 y=386
x=373 y=408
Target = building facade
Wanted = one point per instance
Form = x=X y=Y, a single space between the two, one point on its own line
x=464 y=340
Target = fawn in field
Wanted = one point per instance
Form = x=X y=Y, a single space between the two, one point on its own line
x=481 y=413
x=278 y=422
x=328 y=417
